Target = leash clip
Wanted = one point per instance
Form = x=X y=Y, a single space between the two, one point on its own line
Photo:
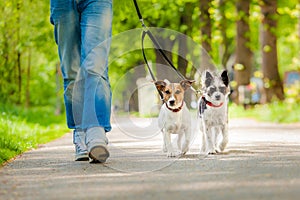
x=142 y=22
x=145 y=28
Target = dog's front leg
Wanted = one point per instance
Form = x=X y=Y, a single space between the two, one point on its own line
x=187 y=140
x=224 y=142
x=168 y=144
x=204 y=141
x=164 y=141
x=210 y=138
x=179 y=141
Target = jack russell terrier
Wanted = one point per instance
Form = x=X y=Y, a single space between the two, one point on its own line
x=174 y=116
x=213 y=113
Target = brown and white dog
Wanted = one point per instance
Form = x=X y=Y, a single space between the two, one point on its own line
x=174 y=116
x=213 y=115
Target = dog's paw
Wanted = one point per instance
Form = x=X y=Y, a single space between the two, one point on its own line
x=212 y=152
x=171 y=154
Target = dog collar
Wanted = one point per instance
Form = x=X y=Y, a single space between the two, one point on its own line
x=211 y=104
x=176 y=109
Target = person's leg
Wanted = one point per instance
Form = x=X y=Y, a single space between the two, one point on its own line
x=65 y=19
x=96 y=18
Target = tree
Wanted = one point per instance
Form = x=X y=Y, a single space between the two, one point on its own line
x=185 y=24
x=243 y=61
x=223 y=26
x=243 y=54
x=272 y=82
x=205 y=25
x=26 y=38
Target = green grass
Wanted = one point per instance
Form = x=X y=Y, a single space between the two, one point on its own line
x=279 y=112
x=22 y=129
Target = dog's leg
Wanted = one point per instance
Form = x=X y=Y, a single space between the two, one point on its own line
x=216 y=139
x=164 y=146
x=179 y=141
x=204 y=141
x=168 y=144
x=210 y=141
x=187 y=139
x=224 y=142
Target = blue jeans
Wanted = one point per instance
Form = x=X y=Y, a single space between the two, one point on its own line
x=82 y=30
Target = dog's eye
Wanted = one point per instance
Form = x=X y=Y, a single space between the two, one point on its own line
x=212 y=90
x=177 y=92
x=167 y=92
x=222 y=89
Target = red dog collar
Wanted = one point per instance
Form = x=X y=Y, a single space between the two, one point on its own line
x=176 y=109
x=211 y=104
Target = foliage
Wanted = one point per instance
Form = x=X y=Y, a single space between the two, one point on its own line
x=277 y=111
x=27 y=42
x=22 y=129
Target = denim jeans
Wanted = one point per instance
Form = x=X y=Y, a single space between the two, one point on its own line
x=82 y=31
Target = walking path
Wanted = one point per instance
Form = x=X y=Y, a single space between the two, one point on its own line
x=262 y=161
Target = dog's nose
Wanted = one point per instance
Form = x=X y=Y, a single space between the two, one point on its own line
x=218 y=97
x=172 y=102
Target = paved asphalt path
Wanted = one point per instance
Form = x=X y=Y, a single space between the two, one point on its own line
x=262 y=161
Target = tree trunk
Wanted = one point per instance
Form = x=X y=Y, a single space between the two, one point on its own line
x=226 y=41
x=19 y=53
x=205 y=25
x=163 y=69
x=27 y=101
x=205 y=29
x=243 y=62
x=185 y=19
x=273 y=84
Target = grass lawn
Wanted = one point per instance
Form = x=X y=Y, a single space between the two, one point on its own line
x=22 y=129
x=279 y=112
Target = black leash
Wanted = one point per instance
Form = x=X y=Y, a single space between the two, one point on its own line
x=146 y=31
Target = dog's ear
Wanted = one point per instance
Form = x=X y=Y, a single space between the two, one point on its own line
x=185 y=84
x=208 y=78
x=160 y=85
x=225 y=78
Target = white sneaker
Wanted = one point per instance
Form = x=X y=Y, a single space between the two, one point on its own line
x=96 y=142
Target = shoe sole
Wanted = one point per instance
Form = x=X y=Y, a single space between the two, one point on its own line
x=82 y=157
x=98 y=154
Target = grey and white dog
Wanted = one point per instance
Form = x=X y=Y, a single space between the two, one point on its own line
x=213 y=112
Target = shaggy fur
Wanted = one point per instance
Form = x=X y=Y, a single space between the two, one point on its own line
x=213 y=115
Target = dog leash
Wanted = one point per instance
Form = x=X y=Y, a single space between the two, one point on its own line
x=147 y=32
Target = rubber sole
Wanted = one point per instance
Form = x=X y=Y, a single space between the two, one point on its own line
x=98 y=154
x=82 y=157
